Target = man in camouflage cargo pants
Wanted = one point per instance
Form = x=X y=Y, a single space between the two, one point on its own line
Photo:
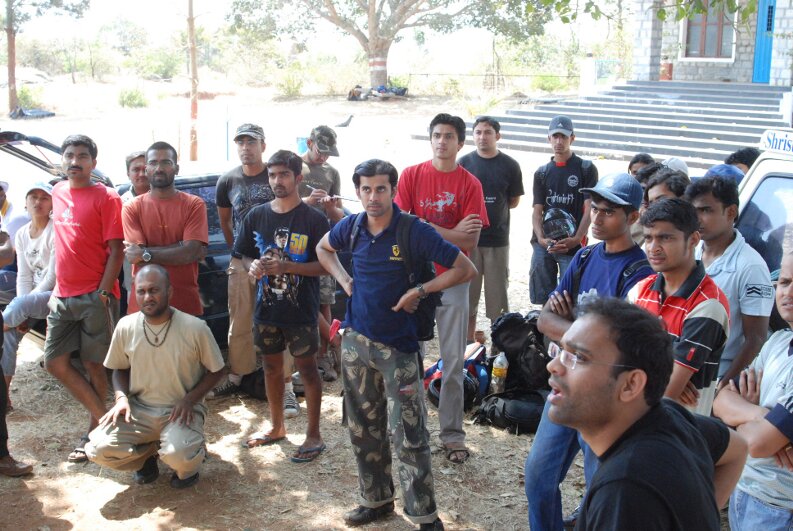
x=381 y=364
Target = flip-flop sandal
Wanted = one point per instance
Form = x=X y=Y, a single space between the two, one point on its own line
x=260 y=439
x=316 y=451
x=78 y=454
x=452 y=450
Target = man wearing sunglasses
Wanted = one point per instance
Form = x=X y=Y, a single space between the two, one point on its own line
x=660 y=466
x=607 y=269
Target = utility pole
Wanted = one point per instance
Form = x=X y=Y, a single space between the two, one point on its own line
x=193 y=81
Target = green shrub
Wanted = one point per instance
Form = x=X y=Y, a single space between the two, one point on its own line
x=132 y=98
x=399 y=81
x=547 y=83
x=290 y=84
x=451 y=87
x=29 y=97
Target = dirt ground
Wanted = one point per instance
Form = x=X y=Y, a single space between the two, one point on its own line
x=259 y=488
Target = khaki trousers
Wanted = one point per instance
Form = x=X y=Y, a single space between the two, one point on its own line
x=126 y=446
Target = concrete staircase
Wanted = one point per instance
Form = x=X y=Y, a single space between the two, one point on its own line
x=700 y=123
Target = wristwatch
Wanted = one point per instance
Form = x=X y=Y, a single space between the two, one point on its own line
x=422 y=293
x=146 y=255
x=104 y=293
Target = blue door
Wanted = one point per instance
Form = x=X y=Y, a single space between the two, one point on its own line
x=764 y=41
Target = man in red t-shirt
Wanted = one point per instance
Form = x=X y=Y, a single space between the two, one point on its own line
x=84 y=304
x=167 y=227
x=449 y=198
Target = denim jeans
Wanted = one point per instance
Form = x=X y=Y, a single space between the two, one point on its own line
x=747 y=513
x=550 y=457
x=543 y=272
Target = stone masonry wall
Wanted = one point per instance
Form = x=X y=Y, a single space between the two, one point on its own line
x=646 y=41
x=782 y=54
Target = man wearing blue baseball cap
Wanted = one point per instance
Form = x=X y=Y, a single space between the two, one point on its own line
x=606 y=269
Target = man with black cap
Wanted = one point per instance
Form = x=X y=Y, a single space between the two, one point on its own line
x=607 y=269
x=558 y=185
x=237 y=192
x=320 y=188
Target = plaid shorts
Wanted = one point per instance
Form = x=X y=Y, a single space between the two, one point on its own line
x=301 y=341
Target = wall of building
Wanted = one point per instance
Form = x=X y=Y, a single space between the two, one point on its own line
x=737 y=69
x=646 y=41
x=782 y=53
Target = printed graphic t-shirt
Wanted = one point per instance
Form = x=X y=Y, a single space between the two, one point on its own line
x=85 y=220
x=560 y=187
x=241 y=193
x=442 y=198
x=284 y=300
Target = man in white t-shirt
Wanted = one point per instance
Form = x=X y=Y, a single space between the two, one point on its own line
x=759 y=403
x=35 y=275
x=737 y=269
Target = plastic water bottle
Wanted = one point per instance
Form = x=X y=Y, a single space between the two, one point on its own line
x=499 y=373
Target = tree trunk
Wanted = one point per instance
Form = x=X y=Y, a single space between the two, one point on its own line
x=193 y=81
x=378 y=62
x=13 y=99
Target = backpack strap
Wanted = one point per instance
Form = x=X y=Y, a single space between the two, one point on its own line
x=579 y=271
x=404 y=223
x=356 y=230
x=628 y=272
x=543 y=171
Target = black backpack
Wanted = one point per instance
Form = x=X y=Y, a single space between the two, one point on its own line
x=515 y=411
x=420 y=271
x=586 y=169
x=524 y=345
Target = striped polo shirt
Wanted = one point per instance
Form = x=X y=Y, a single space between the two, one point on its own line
x=696 y=316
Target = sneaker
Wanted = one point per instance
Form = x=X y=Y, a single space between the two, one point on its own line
x=325 y=366
x=291 y=407
x=297 y=384
x=437 y=525
x=177 y=483
x=570 y=520
x=224 y=389
x=149 y=472
x=364 y=515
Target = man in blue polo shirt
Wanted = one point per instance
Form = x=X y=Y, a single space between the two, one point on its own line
x=381 y=363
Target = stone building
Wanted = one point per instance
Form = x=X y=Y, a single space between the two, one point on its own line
x=715 y=46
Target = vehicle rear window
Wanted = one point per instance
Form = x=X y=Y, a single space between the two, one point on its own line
x=765 y=217
x=207 y=193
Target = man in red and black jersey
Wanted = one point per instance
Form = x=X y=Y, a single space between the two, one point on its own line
x=693 y=308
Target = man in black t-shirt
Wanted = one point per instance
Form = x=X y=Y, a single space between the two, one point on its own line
x=502 y=185
x=558 y=184
x=660 y=466
x=278 y=241
x=236 y=193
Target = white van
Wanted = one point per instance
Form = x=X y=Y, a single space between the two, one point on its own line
x=766 y=201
